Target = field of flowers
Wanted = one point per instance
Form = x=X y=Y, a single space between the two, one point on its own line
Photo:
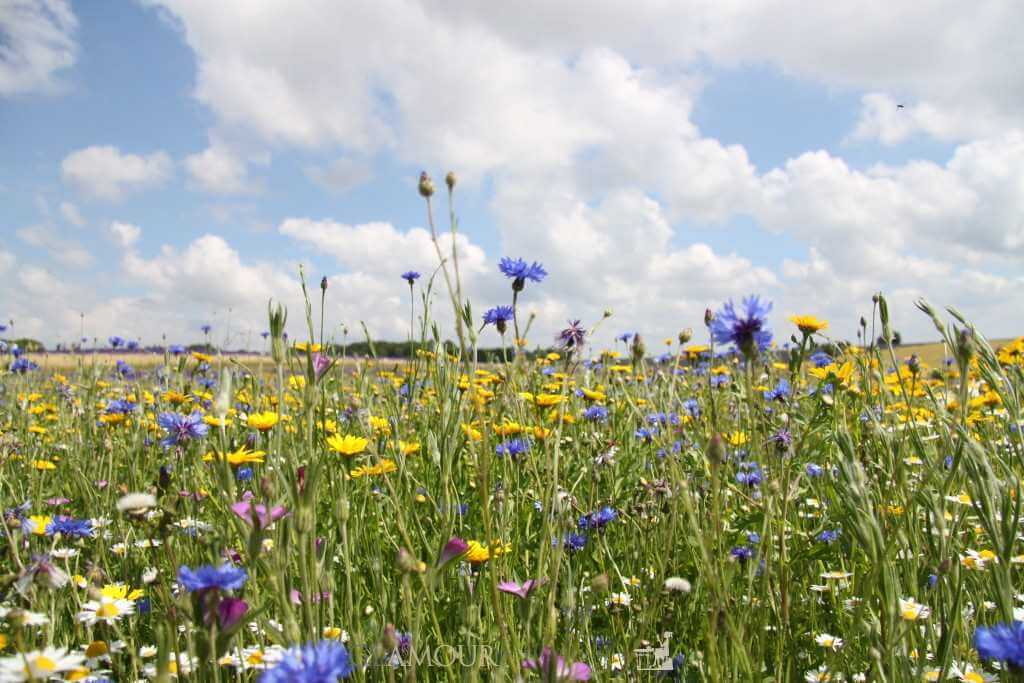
x=733 y=509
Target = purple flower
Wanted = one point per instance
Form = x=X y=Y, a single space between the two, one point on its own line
x=454 y=548
x=512 y=448
x=230 y=611
x=22 y=365
x=321 y=364
x=181 y=428
x=572 y=337
x=207 y=577
x=70 y=527
x=555 y=668
x=248 y=512
x=410 y=276
x=745 y=329
x=521 y=589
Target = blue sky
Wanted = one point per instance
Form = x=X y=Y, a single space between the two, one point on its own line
x=165 y=162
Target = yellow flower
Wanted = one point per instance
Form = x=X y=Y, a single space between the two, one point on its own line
x=383 y=467
x=592 y=395
x=380 y=425
x=215 y=421
x=546 y=400
x=39 y=524
x=477 y=553
x=472 y=432
x=408 y=447
x=174 y=397
x=297 y=382
x=202 y=357
x=240 y=457
x=120 y=591
x=347 y=445
x=736 y=438
x=808 y=324
x=263 y=421
x=43 y=465
x=304 y=346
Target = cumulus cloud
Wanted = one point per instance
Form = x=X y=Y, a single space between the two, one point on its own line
x=341 y=175
x=71 y=214
x=37 y=40
x=219 y=169
x=64 y=251
x=124 y=234
x=104 y=172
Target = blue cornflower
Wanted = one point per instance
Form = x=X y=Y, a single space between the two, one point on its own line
x=753 y=537
x=719 y=380
x=124 y=370
x=498 y=316
x=813 y=470
x=512 y=448
x=646 y=435
x=573 y=542
x=658 y=418
x=1002 y=642
x=22 y=365
x=519 y=272
x=69 y=526
x=573 y=336
x=599 y=519
x=176 y=349
x=116 y=342
x=119 y=407
x=225 y=577
x=596 y=413
x=244 y=474
x=749 y=474
x=820 y=359
x=692 y=407
x=323 y=662
x=132 y=345
x=206 y=329
x=779 y=393
x=741 y=553
x=828 y=536
x=410 y=276
x=181 y=428
x=746 y=329
x=624 y=337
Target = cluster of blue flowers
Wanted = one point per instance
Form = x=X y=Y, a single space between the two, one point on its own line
x=599 y=519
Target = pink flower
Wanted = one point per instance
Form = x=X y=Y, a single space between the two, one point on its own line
x=556 y=668
x=250 y=513
x=522 y=590
x=455 y=547
x=230 y=610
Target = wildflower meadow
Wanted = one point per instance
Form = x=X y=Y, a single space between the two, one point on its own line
x=738 y=503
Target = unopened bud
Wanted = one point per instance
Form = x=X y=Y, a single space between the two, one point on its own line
x=450 y=180
x=600 y=584
x=638 y=349
x=426 y=186
x=323 y=283
x=685 y=336
x=715 y=452
x=709 y=317
x=389 y=639
x=408 y=563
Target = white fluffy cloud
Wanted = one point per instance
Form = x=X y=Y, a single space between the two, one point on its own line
x=71 y=214
x=106 y=173
x=579 y=125
x=219 y=169
x=64 y=251
x=37 y=40
x=124 y=234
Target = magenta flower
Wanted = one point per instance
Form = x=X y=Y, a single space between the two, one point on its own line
x=555 y=668
x=455 y=547
x=230 y=611
x=321 y=364
x=259 y=514
x=522 y=590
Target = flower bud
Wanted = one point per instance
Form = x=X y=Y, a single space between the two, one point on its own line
x=685 y=336
x=323 y=283
x=426 y=186
x=715 y=451
x=709 y=317
x=407 y=562
x=450 y=180
x=389 y=639
x=600 y=584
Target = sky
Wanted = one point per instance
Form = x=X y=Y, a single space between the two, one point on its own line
x=169 y=164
